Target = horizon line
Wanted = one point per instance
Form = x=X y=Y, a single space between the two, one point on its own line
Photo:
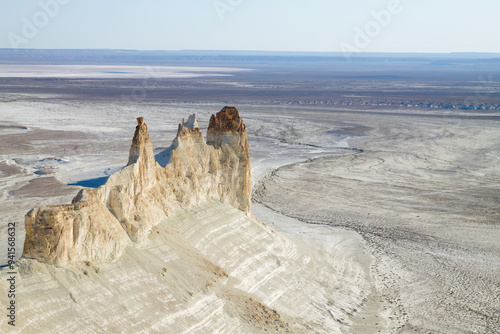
x=255 y=51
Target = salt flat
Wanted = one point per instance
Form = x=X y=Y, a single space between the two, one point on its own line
x=111 y=71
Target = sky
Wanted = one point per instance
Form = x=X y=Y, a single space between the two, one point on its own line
x=428 y=26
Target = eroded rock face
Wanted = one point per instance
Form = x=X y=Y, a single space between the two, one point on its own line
x=74 y=232
x=141 y=144
x=101 y=222
x=226 y=120
x=226 y=131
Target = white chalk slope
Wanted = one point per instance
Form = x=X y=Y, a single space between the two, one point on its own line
x=206 y=269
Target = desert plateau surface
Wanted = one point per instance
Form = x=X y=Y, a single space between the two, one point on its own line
x=201 y=193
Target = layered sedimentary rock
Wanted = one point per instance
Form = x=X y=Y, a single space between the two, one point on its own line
x=226 y=130
x=101 y=222
x=205 y=264
x=205 y=269
x=80 y=231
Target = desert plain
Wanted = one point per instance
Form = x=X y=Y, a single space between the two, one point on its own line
x=384 y=191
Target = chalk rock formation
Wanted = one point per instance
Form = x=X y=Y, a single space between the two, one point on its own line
x=227 y=131
x=101 y=222
x=191 y=123
x=79 y=231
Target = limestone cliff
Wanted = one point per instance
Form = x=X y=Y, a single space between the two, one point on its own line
x=227 y=131
x=101 y=222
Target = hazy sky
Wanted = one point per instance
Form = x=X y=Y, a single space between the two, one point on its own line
x=270 y=25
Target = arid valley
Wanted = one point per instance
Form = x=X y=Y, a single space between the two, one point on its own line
x=374 y=204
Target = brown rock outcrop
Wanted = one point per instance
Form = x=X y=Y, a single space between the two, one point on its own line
x=227 y=120
x=102 y=221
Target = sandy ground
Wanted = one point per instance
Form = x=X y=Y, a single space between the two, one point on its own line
x=424 y=193
x=371 y=174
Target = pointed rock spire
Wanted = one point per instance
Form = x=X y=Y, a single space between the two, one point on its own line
x=191 y=123
x=189 y=128
x=101 y=222
x=141 y=148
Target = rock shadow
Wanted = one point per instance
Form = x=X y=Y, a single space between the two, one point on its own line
x=91 y=183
